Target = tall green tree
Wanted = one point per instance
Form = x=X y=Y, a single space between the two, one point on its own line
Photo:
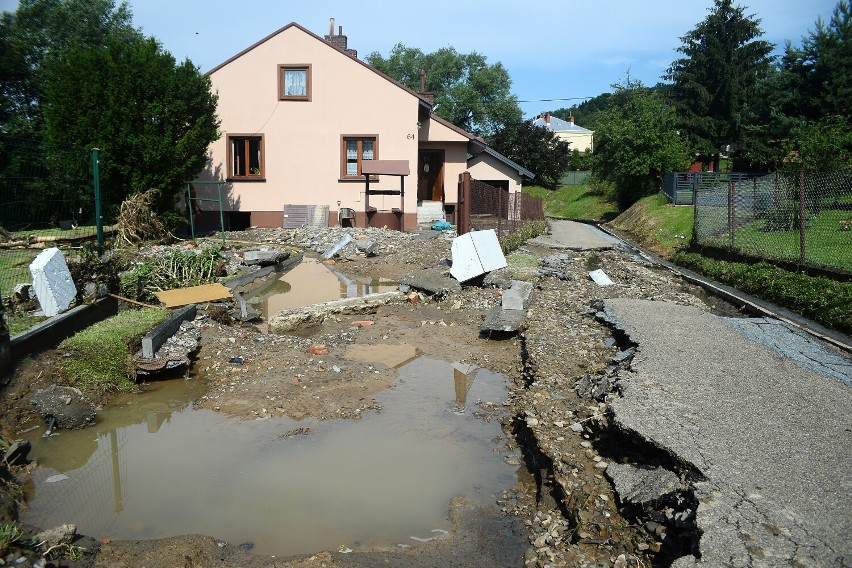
x=723 y=59
x=637 y=142
x=468 y=91
x=41 y=31
x=818 y=74
x=536 y=148
x=152 y=118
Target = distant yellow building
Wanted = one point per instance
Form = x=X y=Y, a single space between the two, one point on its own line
x=580 y=138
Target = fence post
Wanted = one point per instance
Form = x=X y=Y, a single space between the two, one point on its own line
x=464 y=209
x=731 y=212
x=694 y=212
x=499 y=212
x=96 y=178
x=801 y=216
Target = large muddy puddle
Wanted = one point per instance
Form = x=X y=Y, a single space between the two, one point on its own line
x=311 y=282
x=155 y=467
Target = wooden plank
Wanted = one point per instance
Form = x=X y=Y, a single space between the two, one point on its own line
x=193 y=295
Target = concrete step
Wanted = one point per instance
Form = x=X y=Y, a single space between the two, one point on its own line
x=429 y=211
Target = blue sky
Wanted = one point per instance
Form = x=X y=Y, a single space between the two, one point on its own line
x=553 y=49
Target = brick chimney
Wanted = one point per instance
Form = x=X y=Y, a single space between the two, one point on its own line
x=547 y=118
x=430 y=97
x=339 y=41
x=571 y=119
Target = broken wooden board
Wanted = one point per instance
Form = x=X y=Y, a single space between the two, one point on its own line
x=193 y=295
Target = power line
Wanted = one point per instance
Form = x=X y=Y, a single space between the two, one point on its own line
x=552 y=100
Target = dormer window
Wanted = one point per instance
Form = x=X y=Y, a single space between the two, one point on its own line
x=294 y=82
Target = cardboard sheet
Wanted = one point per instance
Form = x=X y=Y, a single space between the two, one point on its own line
x=193 y=295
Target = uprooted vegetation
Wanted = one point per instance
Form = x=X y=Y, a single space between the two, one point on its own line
x=177 y=269
x=101 y=356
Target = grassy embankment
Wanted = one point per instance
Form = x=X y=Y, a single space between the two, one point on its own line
x=666 y=230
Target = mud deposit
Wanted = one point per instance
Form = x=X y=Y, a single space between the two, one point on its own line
x=158 y=467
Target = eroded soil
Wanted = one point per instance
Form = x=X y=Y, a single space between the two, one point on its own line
x=561 y=512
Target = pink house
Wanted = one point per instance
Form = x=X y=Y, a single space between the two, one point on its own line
x=303 y=119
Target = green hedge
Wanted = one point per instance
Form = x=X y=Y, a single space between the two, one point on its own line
x=821 y=299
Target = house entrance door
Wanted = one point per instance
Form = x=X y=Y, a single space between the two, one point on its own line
x=430 y=175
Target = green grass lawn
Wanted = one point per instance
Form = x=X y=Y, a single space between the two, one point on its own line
x=15 y=268
x=574 y=202
x=826 y=242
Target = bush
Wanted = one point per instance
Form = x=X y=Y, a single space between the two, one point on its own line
x=529 y=230
x=816 y=297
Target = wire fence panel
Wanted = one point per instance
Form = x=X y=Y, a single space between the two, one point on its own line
x=801 y=218
x=577 y=177
x=46 y=198
x=496 y=208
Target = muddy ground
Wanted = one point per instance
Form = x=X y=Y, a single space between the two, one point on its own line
x=563 y=513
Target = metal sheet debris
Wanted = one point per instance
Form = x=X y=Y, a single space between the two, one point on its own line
x=476 y=253
x=600 y=278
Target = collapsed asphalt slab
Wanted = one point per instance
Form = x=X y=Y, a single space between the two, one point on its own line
x=769 y=436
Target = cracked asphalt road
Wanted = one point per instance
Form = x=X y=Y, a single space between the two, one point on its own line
x=762 y=412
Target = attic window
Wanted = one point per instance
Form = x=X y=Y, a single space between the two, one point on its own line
x=294 y=82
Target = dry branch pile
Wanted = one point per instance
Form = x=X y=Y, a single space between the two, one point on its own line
x=137 y=221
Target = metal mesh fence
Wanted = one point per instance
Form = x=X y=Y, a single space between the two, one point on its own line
x=578 y=177
x=46 y=199
x=803 y=218
x=496 y=208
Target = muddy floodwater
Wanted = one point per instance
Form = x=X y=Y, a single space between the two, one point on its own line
x=154 y=466
x=311 y=282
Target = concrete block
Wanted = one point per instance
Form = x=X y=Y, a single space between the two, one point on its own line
x=157 y=336
x=264 y=257
x=504 y=321
x=518 y=296
x=476 y=253
x=345 y=240
x=52 y=282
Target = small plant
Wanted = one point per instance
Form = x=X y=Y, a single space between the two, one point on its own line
x=10 y=535
x=528 y=231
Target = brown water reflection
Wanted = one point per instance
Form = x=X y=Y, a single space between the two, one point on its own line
x=311 y=282
x=379 y=481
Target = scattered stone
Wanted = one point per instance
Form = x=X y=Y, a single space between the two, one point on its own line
x=17 y=453
x=518 y=296
x=67 y=405
x=641 y=485
x=367 y=246
x=318 y=350
x=434 y=281
x=500 y=278
x=504 y=321
x=63 y=534
x=265 y=257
